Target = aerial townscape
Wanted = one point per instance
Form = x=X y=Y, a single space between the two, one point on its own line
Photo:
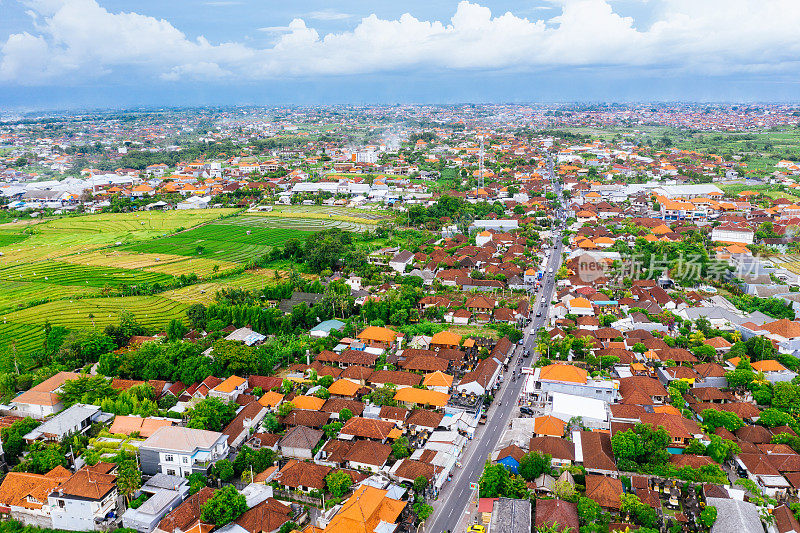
x=352 y=267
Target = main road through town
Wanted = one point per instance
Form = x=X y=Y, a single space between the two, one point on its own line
x=456 y=497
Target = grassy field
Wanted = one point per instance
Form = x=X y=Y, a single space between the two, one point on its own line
x=204 y=292
x=150 y=311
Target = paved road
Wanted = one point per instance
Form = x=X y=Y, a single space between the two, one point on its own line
x=456 y=497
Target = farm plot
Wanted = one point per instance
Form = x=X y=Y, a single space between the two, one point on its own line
x=311 y=211
x=309 y=223
x=62 y=273
x=57 y=238
x=204 y=292
x=15 y=294
x=150 y=311
x=11 y=237
x=233 y=242
x=170 y=264
x=22 y=338
x=789 y=262
x=146 y=223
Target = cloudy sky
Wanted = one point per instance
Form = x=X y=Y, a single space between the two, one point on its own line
x=60 y=53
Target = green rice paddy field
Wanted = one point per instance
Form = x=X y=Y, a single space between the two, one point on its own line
x=61 y=270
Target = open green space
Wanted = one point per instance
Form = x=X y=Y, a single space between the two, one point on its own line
x=242 y=238
x=21 y=340
x=150 y=311
x=346 y=214
x=61 y=273
x=77 y=234
x=16 y=294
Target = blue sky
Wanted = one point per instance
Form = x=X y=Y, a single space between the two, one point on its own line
x=112 y=53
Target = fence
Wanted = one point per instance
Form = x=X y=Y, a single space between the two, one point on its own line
x=298 y=497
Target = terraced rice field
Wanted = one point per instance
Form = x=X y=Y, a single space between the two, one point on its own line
x=360 y=217
x=789 y=262
x=204 y=292
x=150 y=311
x=11 y=237
x=236 y=239
x=173 y=265
x=60 y=237
x=63 y=273
x=309 y=222
x=23 y=338
x=15 y=294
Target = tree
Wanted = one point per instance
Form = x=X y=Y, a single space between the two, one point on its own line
x=86 y=389
x=420 y=484
x=271 y=423
x=196 y=313
x=176 y=330
x=332 y=429
x=211 y=413
x=129 y=479
x=384 y=395
x=288 y=527
x=739 y=378
x=196 y=482
x=223 y=470
x=785 y=395
x=494 y=481
x=589 y=511
x=639 y=347
x=708 y=516
x=704 y=352
x=534 y=464
x=714 y=419
x=641 y=445
x=760 y=348
x=608 y=361
x=285 y=408
x=553 y=527
x=643 y=514
x=232 y=357
x=345 y=414
x=772 y=417
x=12 y=437
x=695 y=447
x=721 y=450
x=564 y=490
x=225 y=506
x=422 y=510
x=400 y=448
x=325 y=381
x=42 y=458
x=338 y=483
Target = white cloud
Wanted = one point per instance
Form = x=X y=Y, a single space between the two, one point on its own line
x=328 y=14
x=75 y=39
